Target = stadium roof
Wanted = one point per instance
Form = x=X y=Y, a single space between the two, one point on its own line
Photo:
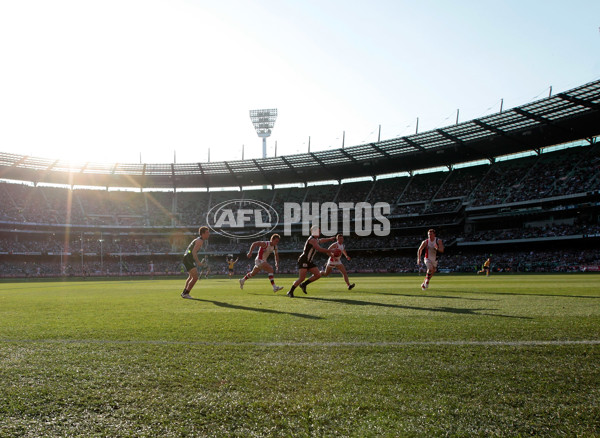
x=568 y=116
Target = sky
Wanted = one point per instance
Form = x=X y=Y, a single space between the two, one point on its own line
x=157 y=81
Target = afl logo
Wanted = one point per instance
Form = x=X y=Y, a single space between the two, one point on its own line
x=242 y=218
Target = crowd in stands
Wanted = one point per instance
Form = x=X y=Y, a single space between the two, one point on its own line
x=561 y=173
x=443 y=206
x=470 y=262
x=176 y=244
x=408 y=209
x=534 y=232
x=50 y=244
x=422 y=221
x=422 y=187
x=461 y=182
x=558 y=173
x=123 y=223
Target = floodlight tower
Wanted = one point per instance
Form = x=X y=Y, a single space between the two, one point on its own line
x=263 y=121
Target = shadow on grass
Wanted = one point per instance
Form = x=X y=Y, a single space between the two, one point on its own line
x=485 y=292
x=447 y=297
x=482 y=292
x=455 y=310
x=256 y=309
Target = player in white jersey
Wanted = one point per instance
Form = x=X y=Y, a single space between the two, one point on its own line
x=265 y=248
x=335 y=261
x=431 y=246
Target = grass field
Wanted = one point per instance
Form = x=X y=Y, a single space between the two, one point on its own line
x=514 y=355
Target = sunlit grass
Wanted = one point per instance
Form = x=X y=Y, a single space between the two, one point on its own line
x=503 y=356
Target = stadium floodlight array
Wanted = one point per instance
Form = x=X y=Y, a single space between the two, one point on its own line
x=263 y=121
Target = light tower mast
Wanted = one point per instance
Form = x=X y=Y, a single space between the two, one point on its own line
x=263 y=121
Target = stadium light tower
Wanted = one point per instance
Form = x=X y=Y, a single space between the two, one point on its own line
x=263 y=121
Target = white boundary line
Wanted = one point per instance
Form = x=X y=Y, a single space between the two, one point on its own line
x=533 y=343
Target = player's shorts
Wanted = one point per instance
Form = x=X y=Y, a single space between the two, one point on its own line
x=230 y=269
x=305 y=264
x=188 y=262
x=334 y=263
x=261 y=264
x=431 y=264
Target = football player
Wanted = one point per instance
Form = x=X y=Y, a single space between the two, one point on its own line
x=335 y=261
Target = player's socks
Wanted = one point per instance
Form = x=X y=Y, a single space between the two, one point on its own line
x=291 y=291
x=272 y=279
x=303 y=286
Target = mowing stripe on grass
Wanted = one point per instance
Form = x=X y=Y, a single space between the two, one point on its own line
x=306 y=344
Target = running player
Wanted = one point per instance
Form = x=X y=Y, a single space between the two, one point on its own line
x=432 y=245
x=230 y=264
x=486 y=267
x=335 y=261
x=205 y=267
x=265 y=248
x=191 y=261
x=305 y=263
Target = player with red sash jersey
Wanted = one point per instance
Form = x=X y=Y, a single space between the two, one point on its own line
x=265 y=248
x=432 y=245
x=335 y=261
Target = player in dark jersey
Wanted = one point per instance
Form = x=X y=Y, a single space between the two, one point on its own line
x=191 y=261
x=486 y=267
x=305 y=261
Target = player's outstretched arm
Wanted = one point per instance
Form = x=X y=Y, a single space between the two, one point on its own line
x=251 y=250
x=315 y=243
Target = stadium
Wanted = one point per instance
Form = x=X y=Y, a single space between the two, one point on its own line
x=413 y=253
x=520 y=180
x=95 y=341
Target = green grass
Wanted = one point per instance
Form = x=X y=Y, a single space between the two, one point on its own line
x=514 y=355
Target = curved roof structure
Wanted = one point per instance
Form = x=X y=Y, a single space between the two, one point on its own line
x=564 y=117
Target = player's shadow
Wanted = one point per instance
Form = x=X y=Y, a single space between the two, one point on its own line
x=447 y=297
x=256 y=309
x=593 y=297
x=455 y=310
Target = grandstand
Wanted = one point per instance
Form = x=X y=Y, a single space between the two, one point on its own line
x=545 y=198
